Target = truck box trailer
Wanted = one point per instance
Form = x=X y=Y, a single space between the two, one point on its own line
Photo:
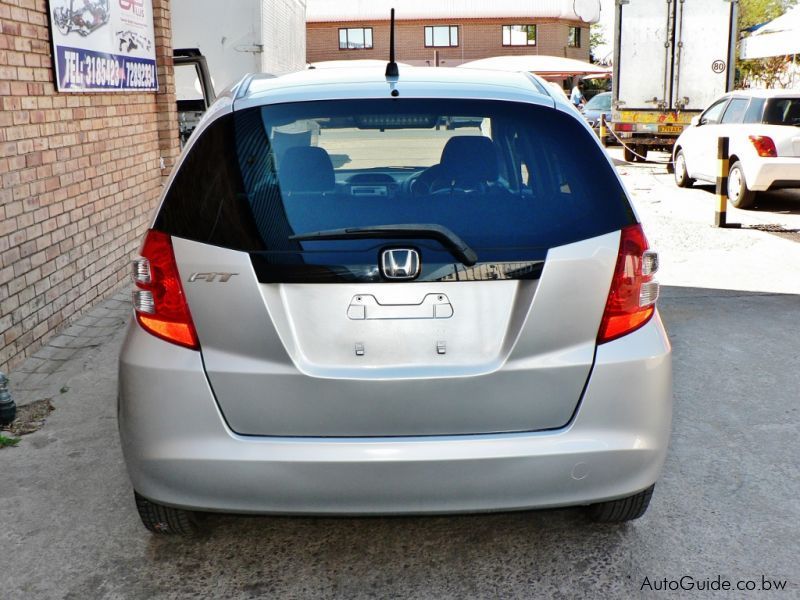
x=242 y=36
x=217 y=43
x=672 y=58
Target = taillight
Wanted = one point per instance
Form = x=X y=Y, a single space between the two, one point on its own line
x=632 y=298
x=764 y=146
x=159 y=303
x=623 y=126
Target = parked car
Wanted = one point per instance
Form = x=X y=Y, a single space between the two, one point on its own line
x=599 y=104
x=763 y=127
x=344 y=307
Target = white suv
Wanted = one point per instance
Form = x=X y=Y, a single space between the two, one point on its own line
x=764 y=131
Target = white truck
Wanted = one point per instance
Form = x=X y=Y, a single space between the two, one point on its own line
x=672 y=58
x=233 y=38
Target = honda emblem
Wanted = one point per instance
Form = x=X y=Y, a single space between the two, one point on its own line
x=400 y=263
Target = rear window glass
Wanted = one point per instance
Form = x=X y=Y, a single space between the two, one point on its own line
x=783 y=111
x=599 y=102
x=510 y=180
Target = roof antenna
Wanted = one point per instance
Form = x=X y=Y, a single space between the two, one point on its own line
x=391 y=68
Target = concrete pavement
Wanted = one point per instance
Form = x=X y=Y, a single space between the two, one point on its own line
x=679 y=224
x=49 y=370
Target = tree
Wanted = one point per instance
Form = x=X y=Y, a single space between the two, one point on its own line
x=756 y=12
x=597 y=37
x=766 y=70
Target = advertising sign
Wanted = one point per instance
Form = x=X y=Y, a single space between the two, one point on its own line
x=103 y=45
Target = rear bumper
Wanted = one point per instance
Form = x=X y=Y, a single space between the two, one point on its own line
x=180 y=452
x=773 y=173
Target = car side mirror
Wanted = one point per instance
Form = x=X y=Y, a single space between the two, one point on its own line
x=696 y=122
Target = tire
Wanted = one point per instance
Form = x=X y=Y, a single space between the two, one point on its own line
x=165 y=520
x=642 y=152
x=739 y=194
x=624 y=509
x=627 y=154
x=682 y=178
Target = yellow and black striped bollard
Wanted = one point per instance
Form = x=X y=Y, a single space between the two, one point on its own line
x=603 y=132
x=723 y=167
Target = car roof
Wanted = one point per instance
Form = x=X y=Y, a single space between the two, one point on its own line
x=413 y=82
x=763 y=93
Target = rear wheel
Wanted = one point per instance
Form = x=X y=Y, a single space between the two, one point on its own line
x=738 y=193
x=681 y=174
x=624 y=509
x=641 y=152
x=628 y=154
x=165 y=520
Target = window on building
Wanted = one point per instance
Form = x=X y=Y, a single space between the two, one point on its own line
x=519 y=35
x=574 y=38
x=441 y=36
x=355 y=38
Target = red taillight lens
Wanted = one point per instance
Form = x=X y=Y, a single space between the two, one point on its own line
x=159 y=303
x=764 y=146
x=623 y=126
x=632 y=298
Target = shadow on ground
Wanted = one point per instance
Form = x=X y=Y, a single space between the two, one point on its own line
x=785 y=202
x=725 y=505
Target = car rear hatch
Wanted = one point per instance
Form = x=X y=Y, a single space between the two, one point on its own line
x=309 y=326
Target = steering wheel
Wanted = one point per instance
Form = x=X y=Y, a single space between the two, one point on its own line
x=442 y=186
x=420 y=184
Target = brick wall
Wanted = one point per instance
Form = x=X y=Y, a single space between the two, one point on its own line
x=79 y=177
x=478 y=38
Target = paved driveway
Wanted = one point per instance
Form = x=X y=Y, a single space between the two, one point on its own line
x=726 y=505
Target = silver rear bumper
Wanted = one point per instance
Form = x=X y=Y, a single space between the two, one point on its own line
x=180 y=452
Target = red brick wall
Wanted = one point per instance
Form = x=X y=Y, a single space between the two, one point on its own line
x=478 y=38
x=79 y=177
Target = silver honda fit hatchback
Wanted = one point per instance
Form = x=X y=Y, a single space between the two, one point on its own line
x=416 y=294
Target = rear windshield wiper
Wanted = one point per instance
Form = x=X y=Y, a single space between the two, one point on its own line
x=454 y=244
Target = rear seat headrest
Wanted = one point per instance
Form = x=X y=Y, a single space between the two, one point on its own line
x=306 y=169
x=470 y=157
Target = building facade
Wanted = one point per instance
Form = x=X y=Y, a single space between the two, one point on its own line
x=80 y=174
x=447 y=34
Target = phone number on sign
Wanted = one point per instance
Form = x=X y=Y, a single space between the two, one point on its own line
x=104 y=72
x=101 y=72
x=140 y=75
